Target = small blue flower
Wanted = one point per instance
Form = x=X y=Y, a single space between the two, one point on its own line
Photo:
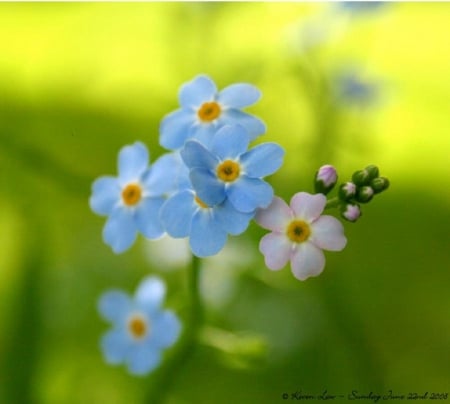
x=226 y=170
x=204 y=110
x=186 y=215
x=141 y=329
x=133 y=199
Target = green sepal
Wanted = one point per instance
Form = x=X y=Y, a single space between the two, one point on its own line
x=379 y=184
x=373 y=171
x=364 y=194
x=361 y=177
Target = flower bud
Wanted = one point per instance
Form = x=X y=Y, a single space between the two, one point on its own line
x=325 y=179
x=364 y=194
x=351 y=212
x=361 y=177
x=347 y=191
x=379 y=184
x=373 y=171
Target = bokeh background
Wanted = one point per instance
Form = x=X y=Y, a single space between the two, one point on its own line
x=346 y=84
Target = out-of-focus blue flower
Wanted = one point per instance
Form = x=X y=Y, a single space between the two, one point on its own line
x=132 y=199
x=351 y=89
x=141 y=329
x=226 y=170
x=360 y=6
x=204 y=110
x=186 y=215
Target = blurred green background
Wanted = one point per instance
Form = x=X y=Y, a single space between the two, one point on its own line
x=80 y=80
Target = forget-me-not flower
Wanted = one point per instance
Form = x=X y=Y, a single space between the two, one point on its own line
x=186 y=215
x=132 y=199
x=227 y=170
x=299 y=234
x=204 y=110
x=141 y=329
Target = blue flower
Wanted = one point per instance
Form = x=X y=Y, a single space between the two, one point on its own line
x=133 y=199
x=141 y=329
x=226 y=170
x=204 y=110
x=186 y=215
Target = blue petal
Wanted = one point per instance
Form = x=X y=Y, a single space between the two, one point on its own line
x=247 y=194
x=133 y=161
x=207 y=187
x=204 y=132
x=231 y=220
x=176 y=214
x=165 y=329
x=147 y=217
x=254 y=126
x=115 y=346
x=230 y=141
x=174 y=128
x=114 y=306
x=120 y=230
x=162 y=176
x=150 y=293
x=196 y=155
x=143 y=358
x=105 y=195
x=239 y=95
x=207 y=236
x=262 y=160
x=194 y=93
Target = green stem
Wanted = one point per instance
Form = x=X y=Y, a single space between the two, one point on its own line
x=333 y=203
x=166 y=375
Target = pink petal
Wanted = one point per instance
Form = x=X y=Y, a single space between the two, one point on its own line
x=276 y=216
x=308 y=207
x=328 y=233
x=307 y=260
x=276 y=249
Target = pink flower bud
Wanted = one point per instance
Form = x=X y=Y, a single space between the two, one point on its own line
x=325 y=180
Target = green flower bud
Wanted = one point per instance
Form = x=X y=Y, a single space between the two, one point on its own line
x=364 y=194
x=373 y=171
x=347 y=191
x=351 y=212
x=379 y=184
x=361 y=177
x=325 y=179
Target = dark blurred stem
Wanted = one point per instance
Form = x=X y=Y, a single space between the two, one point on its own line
x=44 y=165
x=22 y=350
x=167 y=375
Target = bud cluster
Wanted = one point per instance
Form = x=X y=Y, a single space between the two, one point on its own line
x=364 y=185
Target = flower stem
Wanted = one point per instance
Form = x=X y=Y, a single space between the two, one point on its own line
x=166 y=375
x=333 y=203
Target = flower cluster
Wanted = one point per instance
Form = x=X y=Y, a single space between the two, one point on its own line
x=209 y=185
x=364 y=186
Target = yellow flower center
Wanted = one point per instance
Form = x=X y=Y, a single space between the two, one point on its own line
x=298 y=231
x=132 y=194
x=228 y=171
x=200 y=202
x=137 y=326
x=209 y=111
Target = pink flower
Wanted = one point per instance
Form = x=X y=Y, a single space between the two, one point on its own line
x=299 y=234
